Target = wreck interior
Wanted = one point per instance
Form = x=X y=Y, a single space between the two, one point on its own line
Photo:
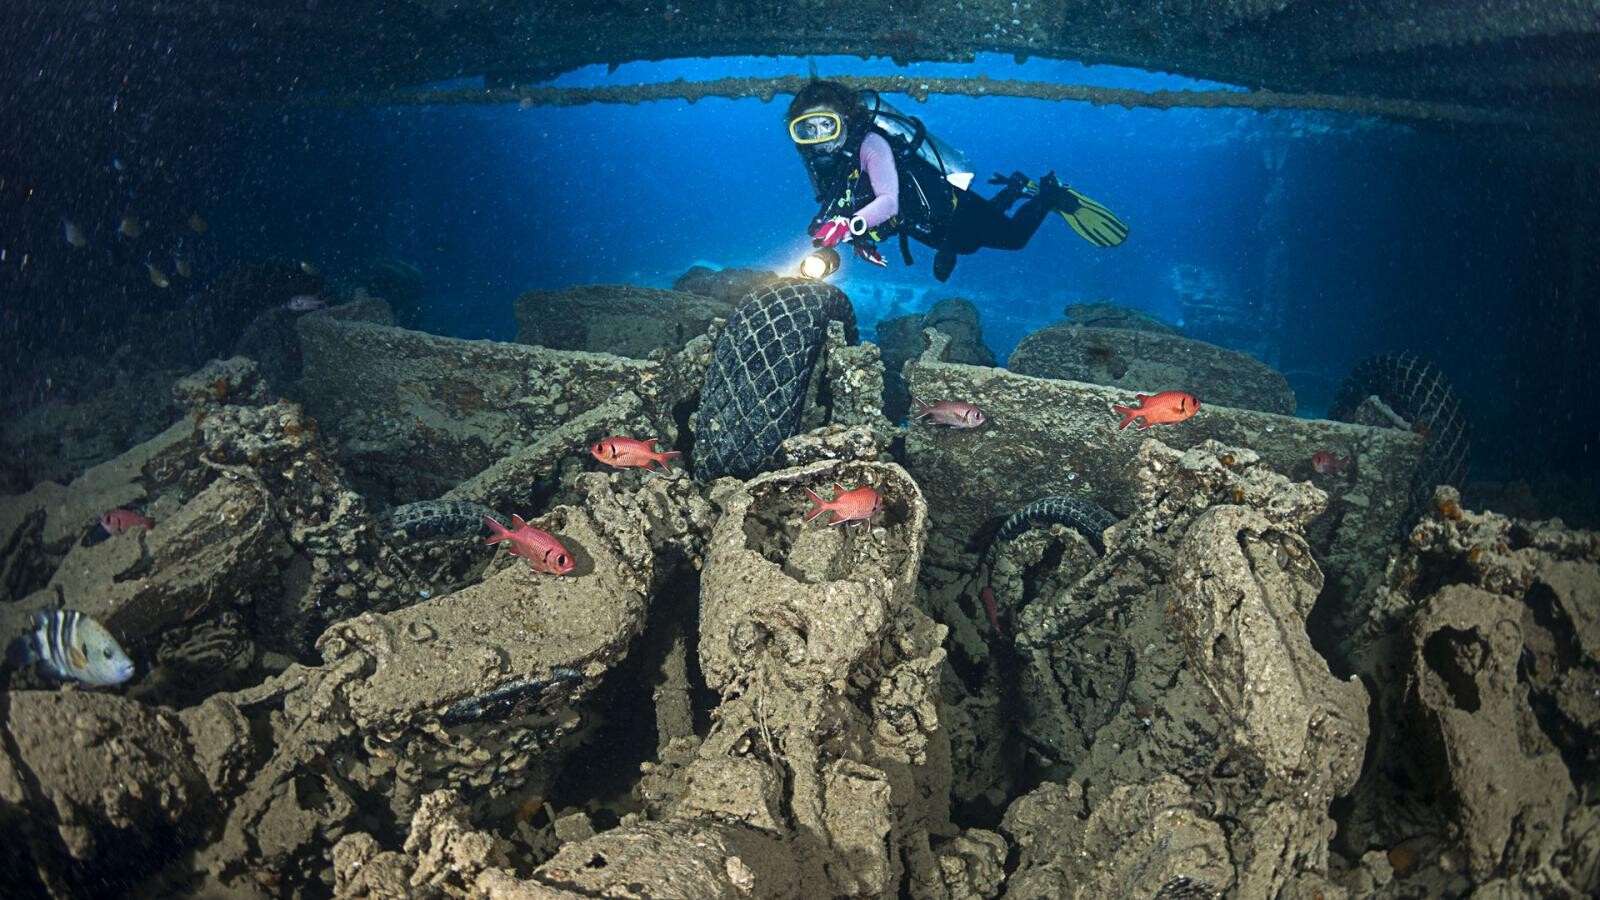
x=1252 y=671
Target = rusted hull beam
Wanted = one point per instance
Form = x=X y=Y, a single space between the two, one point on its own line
x=765 y=89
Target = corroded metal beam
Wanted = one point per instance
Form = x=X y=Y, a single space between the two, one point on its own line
x=765 y=89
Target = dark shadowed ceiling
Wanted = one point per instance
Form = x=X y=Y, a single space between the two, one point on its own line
x=1536 y=58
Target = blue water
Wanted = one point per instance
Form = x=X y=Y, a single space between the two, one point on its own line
x=1370 y=235
x=494 y=200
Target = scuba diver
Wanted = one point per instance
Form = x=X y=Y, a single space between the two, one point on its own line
x=916 y=186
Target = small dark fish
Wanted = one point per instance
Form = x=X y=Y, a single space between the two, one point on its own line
x=955 y=413
x=119 y=521
x=1325 y=463
x=989 y=607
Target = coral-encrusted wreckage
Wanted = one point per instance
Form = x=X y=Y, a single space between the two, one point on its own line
x=1061 y=660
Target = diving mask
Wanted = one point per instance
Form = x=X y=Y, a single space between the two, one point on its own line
x=816 y=127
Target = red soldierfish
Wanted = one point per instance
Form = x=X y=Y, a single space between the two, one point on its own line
x=955 y=413
x=539 y=547
x=1165 y=408
x=987 y=596
x=626 y=453
x=120 y=520
x=855 y=505
x=1325 y=463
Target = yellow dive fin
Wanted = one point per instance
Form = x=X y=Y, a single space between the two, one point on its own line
x=1093 y=222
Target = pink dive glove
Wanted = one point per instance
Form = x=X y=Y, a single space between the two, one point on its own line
x=831 y=232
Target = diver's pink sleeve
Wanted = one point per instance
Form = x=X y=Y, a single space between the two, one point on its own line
x=877 y=160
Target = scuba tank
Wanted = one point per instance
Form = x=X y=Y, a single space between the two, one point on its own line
x=950 y=162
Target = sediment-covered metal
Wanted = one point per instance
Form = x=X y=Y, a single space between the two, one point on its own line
x=1141 y=359
x=830 y=704
x=1185 y=646
x=825 y=765
x=828 y=675
x=1482 y=648
x=413 y=414
x=112 y=778
x=616 y=318
x=1061 y=437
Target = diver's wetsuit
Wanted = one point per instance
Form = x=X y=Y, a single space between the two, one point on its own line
x=977 y=222
x=971 y=224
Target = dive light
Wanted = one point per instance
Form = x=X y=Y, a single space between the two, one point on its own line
x=819 y=264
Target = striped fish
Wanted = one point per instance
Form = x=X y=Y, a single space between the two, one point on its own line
x=72 y=645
